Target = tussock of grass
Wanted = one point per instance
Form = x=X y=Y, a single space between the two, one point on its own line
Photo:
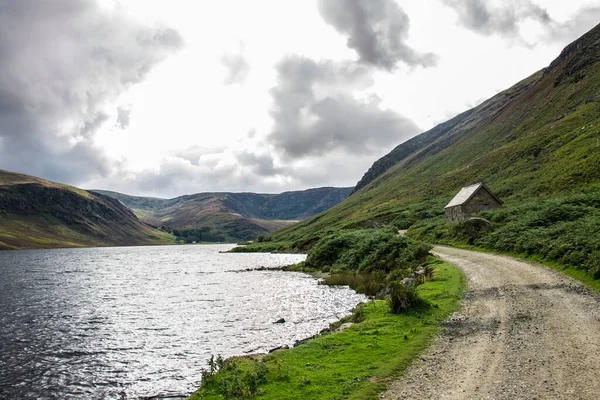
x=352 y=364
x=370 y=283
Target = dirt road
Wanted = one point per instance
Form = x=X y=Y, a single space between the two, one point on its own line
x=524 y=332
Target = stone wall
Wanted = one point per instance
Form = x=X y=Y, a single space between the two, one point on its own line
x=481 y=201
x=454 y=213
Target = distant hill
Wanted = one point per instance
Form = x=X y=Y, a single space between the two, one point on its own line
x=536 y=142
x=231 y=216
x=35 y=213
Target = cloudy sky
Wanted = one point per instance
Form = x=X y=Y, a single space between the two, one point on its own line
x=164 y=98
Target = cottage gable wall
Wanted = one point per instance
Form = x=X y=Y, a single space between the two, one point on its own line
x=454 y=213
x=481 y=200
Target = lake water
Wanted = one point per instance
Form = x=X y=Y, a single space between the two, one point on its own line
x=140 y=322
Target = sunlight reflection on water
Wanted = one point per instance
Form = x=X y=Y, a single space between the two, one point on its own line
x=142 y=321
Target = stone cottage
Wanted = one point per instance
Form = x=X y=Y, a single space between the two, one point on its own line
x=470 y=200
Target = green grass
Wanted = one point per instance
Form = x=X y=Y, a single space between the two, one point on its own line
x=356 y=363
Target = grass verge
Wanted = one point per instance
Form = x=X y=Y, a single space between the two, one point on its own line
x=355 y=363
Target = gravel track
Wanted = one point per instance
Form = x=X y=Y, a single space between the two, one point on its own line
x=524 y=332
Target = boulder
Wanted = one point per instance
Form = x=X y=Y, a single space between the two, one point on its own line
x=279 y=348
x=407 y=282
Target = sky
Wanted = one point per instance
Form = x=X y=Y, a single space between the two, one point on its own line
x=165 y=98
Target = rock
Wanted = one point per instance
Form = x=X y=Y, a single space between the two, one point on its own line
x=279 y=348
x=408 y=281
x=372 y=224
x=280 y=321
x=343 y=327
x=299 y=342
x=473 y=228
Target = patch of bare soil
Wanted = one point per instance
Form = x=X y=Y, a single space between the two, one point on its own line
x=524 y=332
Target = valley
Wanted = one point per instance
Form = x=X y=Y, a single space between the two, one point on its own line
x=36 y=213
x=230 y=216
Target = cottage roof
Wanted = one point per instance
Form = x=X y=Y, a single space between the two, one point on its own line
x=466 y=193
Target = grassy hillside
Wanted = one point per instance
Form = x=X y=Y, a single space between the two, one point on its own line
x=230 y=216
x=537 y=142
x=35 y=213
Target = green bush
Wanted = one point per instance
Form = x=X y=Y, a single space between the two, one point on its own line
x=367 y=250
x=235 y=383
x=404 y=298
x=370 y=283
x=372 y=261
x=404 y=220
x=471 y=229
x=565 y=230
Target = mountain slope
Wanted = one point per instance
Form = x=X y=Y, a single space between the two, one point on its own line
x=232 y=216
x=35 y=213
x=538 y=139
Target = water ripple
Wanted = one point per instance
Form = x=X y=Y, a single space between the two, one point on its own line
x=140 y=322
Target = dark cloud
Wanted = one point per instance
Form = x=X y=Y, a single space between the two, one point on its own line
x=235 y=171
x=194 y=154
x=480 y=16
x=261 y=164
x=314 y=111
x=123 y=114
x=62 y=66
x=376 y=30
x=92 y=122
x=174 y=176
x=584 y=20
x=237 y=68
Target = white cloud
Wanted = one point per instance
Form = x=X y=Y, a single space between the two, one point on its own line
x=176 y=127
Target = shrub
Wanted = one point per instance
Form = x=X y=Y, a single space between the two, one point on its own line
x=366 y=251
x=358 y=313
x=471 y=229
x=235 y=384
x=404 y=298
x=404 y=220
x=263 y=238
x=369 y=283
